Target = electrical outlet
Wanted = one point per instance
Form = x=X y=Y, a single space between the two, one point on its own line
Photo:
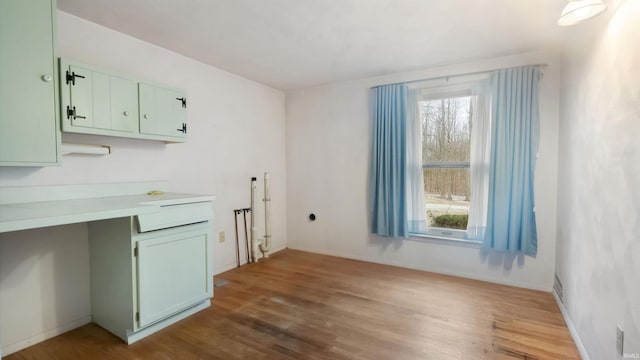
x=619 y=340
x=221 y=236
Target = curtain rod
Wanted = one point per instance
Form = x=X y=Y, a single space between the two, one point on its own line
x=457 y=75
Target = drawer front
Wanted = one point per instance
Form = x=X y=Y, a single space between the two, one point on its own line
x=175 y=215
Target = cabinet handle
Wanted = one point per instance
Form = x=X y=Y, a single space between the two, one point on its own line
x=46 y=78
x=145 y=116
x=125 y=113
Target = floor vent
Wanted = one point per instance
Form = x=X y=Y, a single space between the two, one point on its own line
x=557 y=287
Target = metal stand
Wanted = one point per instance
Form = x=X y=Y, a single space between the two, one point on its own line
x=236 y=212
x=246 y=236
x=244 y=212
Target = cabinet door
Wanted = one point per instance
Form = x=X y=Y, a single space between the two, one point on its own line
x=89 y=98
x=124 y=105
x=162 y=111
x=173 y=274
x=28 y=126
x=80 y=108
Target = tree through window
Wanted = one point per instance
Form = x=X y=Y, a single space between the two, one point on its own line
x=446 y=141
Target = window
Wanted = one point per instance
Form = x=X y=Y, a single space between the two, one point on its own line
x=445 y=116
x=456 y=159
x=446 y=140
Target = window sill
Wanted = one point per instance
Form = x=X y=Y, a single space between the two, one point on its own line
x=444 y=240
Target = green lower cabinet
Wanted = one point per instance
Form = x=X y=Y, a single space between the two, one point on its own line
x=29 y=132
x=95 y=101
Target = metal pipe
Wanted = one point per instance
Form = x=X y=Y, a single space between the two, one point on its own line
x=265 y=246
x=254 y=241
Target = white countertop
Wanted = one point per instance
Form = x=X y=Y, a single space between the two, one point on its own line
x=29 y=215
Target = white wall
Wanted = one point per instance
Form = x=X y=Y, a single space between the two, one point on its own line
x=236 y=130
x=328 y=143
x=598 y=251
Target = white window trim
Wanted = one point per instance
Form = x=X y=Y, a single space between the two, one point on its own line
x=459 y=88
x=444 y=240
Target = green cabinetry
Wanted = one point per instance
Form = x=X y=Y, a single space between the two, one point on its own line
x=124 y=105
x=163 y=111
x=29 y=132
x=99 y=102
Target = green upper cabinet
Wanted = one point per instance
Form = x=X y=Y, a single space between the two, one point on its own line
x=162 y=111
x=89 y=98
x=99 y=102
x=29 y=132
x=124 y=104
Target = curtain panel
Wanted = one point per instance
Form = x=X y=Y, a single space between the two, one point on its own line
x=480 y=153
x=511 y=221
x=388 y=168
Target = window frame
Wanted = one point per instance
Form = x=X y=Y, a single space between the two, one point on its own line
x=461 y=88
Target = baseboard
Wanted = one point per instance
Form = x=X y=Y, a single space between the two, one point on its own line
x=276 y=250
x=133 y=337
x=11 y=348
x=225 y=268
x=235 y=265
x=427 y=268
x=572 y=329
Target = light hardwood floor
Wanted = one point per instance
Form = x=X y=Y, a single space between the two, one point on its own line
x=299 y=305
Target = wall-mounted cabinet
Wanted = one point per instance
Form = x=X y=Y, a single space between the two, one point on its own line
x=99 y=102
x=163 y=111
x=29 y=130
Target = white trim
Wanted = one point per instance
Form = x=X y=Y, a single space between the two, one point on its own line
x=135 y=336
x=225 y=268
x=23 y=344
x=472 y=276
x=572 y=329
x=445 y=240
x=233 y=265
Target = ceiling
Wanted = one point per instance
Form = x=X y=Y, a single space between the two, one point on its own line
x=291 y=44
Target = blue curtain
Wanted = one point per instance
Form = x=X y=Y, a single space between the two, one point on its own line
x=511 y=221
x=389 y=161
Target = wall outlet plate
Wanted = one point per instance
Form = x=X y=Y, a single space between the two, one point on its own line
x=221 y=236
x=619 y=340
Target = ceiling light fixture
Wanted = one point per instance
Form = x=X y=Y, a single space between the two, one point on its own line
x=578 y=10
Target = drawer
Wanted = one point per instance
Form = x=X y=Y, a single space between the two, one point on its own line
x=175 y=215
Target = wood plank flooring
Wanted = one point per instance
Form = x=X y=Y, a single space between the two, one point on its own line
x=299 y=305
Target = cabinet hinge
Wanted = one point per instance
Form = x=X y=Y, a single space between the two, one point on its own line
x=71 y=113
x=137 y=316
x=135 y=251
x=183 y=100
x=71 y=77
x=184 y=128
